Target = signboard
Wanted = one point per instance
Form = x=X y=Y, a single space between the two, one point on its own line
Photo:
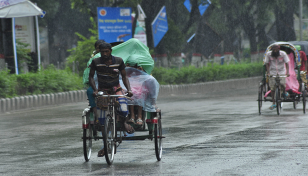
x=159 y=26
x=140 y=31
x=202 y=7
x=24 y=29
x=114 y=24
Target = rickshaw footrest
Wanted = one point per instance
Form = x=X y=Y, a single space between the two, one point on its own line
x=153 y=121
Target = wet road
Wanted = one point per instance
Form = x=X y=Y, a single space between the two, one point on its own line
x=212 y=134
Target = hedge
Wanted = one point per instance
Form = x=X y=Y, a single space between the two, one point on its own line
x=50 y=80
x=213 y=72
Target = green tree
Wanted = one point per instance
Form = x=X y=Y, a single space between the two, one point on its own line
x=225 y=17
x=22 y=54
x=62 y=23
x=248 y=15
x=82 y=52
x=284 y=11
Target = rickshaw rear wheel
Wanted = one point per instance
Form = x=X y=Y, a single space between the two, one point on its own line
x=87 y=143
x=294 y=104
x=109 y=139
x=278 y=101
x=158 y=138
x=304 y=101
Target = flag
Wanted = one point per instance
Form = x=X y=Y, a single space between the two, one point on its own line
x=160 y=26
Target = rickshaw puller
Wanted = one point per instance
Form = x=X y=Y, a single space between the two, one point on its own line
x=108 y=68
x=277 y=63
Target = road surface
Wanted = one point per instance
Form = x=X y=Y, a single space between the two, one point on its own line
x=206 y=134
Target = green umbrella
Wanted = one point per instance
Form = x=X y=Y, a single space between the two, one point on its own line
x=134 y=52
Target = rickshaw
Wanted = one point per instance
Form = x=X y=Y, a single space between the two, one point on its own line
x=114 y=131
x=303 y=44
x=297 y=94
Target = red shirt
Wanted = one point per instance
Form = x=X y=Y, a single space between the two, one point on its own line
x=303 y=60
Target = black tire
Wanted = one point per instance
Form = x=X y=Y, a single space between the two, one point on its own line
x=109 y=140
x=304 y=101
x=87 y=143
x=278 y=101
x=158 y=138
x=260 y=93
x=294 y=104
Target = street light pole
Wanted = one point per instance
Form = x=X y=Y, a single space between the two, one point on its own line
x=300 y=19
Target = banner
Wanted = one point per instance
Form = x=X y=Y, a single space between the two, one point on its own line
x=114 y=24
x=5 y=3
x=202 y=7
x=140 y=31
x=159 y=26
x=24 y=29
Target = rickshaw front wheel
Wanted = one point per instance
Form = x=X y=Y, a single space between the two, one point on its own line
x=109 y=139
x=260 y=93
x=87 y=143
x=278 y=101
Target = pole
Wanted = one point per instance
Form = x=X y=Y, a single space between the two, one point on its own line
x=38 y=42
x=300 y=19
x=14 y=46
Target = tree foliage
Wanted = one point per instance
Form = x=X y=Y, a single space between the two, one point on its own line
x=62 y=23
x=232 y=20
x=23 y=54
x=82 y=52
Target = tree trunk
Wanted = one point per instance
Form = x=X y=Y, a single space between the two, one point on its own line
x=8 y=43
x=194 y=15
x=230 y=36
x=262 y=38
x=151 y=8
x=250 y=30
x=284 y=21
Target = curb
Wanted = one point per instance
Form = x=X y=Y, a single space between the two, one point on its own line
x=37 y=101
x=41 y=100
x=207 y=87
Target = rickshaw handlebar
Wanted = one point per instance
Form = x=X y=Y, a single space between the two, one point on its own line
x=101 y=94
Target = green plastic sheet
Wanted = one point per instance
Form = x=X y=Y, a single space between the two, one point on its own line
x=134 y=52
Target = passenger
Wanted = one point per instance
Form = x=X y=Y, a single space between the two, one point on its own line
x=276 y=63
x=303 y=67
x=91 y=98
x=291 y=81
x=132 y=119
x=145 y=89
